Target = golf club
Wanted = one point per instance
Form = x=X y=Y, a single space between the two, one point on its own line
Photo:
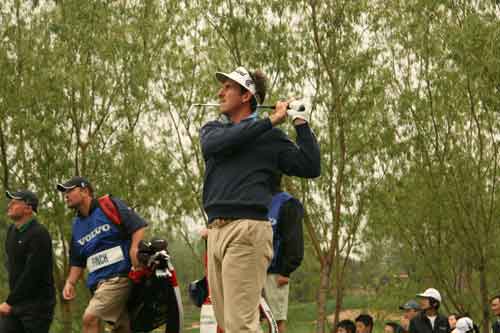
x=295 y=105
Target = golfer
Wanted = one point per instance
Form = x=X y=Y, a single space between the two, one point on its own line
x=242 y=154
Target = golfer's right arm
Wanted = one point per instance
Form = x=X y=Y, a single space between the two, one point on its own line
x=216 y=138
x=75 y=273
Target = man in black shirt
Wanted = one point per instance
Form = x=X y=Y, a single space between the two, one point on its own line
x=30 y=305
x=241 y=156
x=429 y=320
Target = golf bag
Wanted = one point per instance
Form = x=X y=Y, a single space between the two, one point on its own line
x=155 y=299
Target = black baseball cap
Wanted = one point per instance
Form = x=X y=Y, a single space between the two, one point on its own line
x=24 y=195
x=76 y=181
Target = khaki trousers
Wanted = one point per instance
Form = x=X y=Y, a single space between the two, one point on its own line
x=109 y=303
x=239 y=254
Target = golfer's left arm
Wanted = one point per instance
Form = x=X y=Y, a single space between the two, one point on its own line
x=302 y=158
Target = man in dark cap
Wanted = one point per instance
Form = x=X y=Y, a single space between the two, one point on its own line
x=106 y=249
x=29 y=307
x=411 y=310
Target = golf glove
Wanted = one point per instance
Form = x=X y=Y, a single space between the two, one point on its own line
x=298 y=110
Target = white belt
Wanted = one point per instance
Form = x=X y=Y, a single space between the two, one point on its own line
x=105 y=258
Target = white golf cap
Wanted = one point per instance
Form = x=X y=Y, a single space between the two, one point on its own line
x=464 y=325
x=241 y=76
x=431 y=293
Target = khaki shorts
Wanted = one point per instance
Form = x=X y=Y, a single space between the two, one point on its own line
x=276 y=297
x=109 y=302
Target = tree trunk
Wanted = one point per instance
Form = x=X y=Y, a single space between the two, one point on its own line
x=3 y=159
x=339 y=292
x=322 y=298
x=485 y=304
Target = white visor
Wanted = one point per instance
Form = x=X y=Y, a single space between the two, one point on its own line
x=239 y=75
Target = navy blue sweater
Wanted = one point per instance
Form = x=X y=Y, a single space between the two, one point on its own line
x=241 y=159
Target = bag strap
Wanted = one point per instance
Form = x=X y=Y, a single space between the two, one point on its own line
x=109 y=209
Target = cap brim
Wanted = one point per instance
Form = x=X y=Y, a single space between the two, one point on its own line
x=12 y=196
x=405 y=308
x=62 y=188
x=221 y=77
x=428 y=296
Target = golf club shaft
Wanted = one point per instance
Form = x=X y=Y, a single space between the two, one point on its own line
x=297 y=108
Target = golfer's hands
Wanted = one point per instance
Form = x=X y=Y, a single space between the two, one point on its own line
x=298 y=117
x=69 y=292
x=281 y=280
x=280 y=113
x=5 y=309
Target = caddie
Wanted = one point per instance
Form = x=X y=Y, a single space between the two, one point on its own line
x=107 y=250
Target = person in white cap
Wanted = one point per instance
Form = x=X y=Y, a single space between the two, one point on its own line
x=465 y=325
x=242 y=156
x=429 y=320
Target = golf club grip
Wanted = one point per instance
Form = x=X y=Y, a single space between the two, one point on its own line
x=300 y=108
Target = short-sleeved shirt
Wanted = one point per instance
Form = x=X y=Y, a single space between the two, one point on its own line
x=102 y=246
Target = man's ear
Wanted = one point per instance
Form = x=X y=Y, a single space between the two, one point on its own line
x=247 y=96
x=87 y=191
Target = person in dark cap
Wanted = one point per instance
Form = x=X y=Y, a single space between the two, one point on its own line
x=107 y=250
x=29 y=306
x=411 y=310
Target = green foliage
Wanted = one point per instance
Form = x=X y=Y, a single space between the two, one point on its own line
x=405 y=100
